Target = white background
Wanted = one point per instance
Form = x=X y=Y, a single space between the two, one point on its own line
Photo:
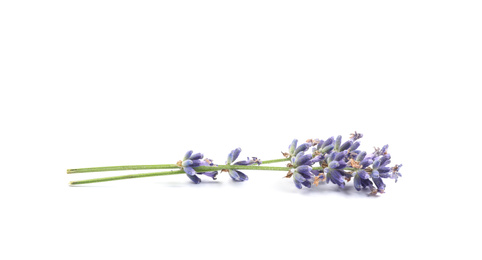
x=100 y=83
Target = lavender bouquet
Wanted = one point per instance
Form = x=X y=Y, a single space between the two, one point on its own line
x=330 y=160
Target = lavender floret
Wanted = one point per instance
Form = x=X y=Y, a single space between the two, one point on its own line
x=190 y=161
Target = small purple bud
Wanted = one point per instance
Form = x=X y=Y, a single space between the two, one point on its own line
x=302 y=148
x=337 y=178
x=379 y=183
x=297 y=183
x=234 y=175
x=195 y=163
x=299 y=177
x=230 y=158
x=383 y=169
x=194 y=178
x=346 y=145
x=307 y=184
x=207 y=162
x=375 y=174
x=376 y=164
x=361 y=156
x=338 y=143
x=187 y=163
x=327 y=149
x=365 y=162
x=247 y=162
x=316 y=159
x=236 y=153
x=341 y=165
x=328 y=141
x=304 y=169
x=354 y=146
x=292 y=146
x=367 y=183
x=331 y=157
x=384 y=149
x=320 y=145
x=242 y=176
x=334 y=164
x=396 y=173
x=363 y=174
x=189 y=171
x=213 y=174
x=357 y=182
x=187 y=155
x=196 y=156
x=384 y=174
x=302 y=160
x=339 y=156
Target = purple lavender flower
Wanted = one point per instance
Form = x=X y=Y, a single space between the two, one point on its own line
x=334 y=172
x=190 y=161
x=355 y=136
x=361 y=177
x=379 y=167
x=360 y=183
x=380 y=185
x=325 y=147
x=395 y=172
x=294 y=149
x=303 y=176
x=367 y=170
x=236 y=174
x=305 y=159
x=379 y=152
x=348 y=145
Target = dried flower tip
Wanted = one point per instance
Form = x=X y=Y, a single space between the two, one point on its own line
x=313 y=142
x=179 y=163
x=289 y=174
x=320 y=178
x=356 y=136
x=354 y=164
x=286 y=155
x=316 y=181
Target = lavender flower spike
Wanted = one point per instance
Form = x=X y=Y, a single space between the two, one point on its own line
x=236 y=174
x=190 y=161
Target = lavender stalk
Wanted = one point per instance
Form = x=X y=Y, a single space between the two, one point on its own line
x=339 y=162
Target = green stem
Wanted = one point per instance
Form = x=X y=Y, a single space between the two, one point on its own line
x=275 y=161
x=198 y=169
x=144 y=167
x=122 y=177
x=123 y=168
x=240 y=167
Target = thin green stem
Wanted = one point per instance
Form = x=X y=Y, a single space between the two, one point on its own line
x=144 y=167
x=122 y=177
x=240 y=167
x=275 y=161
x=123 y=168
x=198 y=169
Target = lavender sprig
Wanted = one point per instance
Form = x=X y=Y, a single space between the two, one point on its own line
x=338 y=161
